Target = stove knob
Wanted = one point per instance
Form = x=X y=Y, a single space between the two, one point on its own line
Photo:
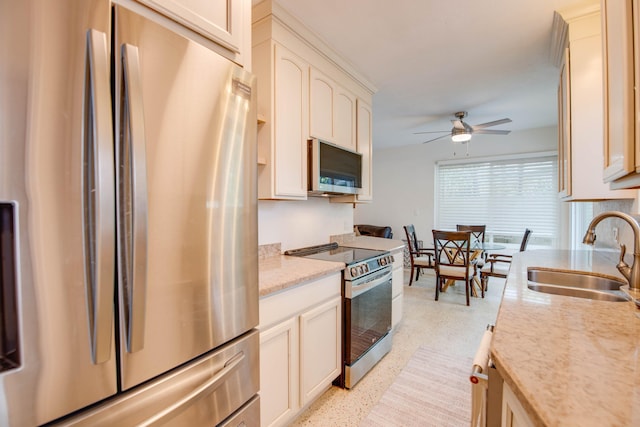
x=383 y=261
x=354 y=272
x=366 y=268
x=361 y=269
x=392 y=259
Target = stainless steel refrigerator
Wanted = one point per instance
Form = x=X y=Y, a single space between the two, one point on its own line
x=128 y=224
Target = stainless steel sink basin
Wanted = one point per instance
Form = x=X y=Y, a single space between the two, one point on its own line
x=574 y=279
x=575 y=284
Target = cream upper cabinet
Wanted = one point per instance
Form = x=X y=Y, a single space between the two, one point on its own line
x=364 y=146
x=364 y=126
x=321 y=106
x=283 y=101
x=622 y=144
x=344 y=123
x=580 y=109
x=332 y=111
x=323 y=103
x=564 y=129
x=227 y=23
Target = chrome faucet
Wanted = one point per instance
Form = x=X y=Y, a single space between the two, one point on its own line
x=632 y=274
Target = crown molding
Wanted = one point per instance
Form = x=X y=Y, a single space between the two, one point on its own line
x=271 y=8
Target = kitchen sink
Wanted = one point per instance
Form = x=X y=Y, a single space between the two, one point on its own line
x=575 y=284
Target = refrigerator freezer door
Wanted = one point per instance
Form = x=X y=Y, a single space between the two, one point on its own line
x=187 y=228
x=55 y=150
x=201 y=393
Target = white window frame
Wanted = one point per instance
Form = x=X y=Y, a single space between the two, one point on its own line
x=581 y=215
x=548 y=237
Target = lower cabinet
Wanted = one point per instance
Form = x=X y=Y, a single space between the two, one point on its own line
x=300 y=347
x=513 y=414
x=397 y=287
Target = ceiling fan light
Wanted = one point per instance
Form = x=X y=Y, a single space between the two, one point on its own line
x=460 y=135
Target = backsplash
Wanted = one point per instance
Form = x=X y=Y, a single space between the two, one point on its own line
x=342 y=239
x=269 y=250
x=296 y=224
x=604 y=230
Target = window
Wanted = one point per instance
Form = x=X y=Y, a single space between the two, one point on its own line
x=508 y=194
x=581 y=215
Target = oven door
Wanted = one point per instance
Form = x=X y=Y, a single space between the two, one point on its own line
x=367 y=313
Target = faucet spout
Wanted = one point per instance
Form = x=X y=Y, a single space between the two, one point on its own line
x=632 y=274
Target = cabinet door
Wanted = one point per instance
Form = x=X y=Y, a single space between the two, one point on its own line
x=364 y=120
x=397 y=302
x=320 y=348
x=218 y=20
x=279 y=376
x=513 y=414
x=344 y=126
x=620 y=151
x=321 y=106
x=636 y=62
x=397 y=293
x=291 y=124
x=564 y=129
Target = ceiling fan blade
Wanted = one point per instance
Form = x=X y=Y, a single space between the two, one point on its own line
x=434 y=131
x=493 y=123
x=435 y=139
x=491 y=132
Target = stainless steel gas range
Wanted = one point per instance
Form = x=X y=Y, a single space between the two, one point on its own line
x=366 y=308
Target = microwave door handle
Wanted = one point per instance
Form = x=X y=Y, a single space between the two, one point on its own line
x=98 y=199
x=133 y=199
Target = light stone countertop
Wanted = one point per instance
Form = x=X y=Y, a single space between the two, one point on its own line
x=278 y=272
x=571 y=361
x=281 y=271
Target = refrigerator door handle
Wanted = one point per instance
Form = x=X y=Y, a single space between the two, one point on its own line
x=98 y=199
x=199 y=392
x=133 y=200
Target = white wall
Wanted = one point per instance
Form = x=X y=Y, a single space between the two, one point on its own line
x=296 y=224
x=403 y=178
x=403 y=193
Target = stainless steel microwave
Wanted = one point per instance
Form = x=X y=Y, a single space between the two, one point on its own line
x=333 y=170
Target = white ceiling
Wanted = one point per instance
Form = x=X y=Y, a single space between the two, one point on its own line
x=431 y=58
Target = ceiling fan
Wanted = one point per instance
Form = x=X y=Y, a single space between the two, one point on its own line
x=462 y=131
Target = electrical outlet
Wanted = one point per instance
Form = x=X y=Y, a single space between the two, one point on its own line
x=615 y=235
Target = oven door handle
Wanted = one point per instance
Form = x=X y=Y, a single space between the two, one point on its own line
x=355 y=290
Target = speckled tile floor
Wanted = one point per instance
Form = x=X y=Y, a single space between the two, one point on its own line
x=446 y=324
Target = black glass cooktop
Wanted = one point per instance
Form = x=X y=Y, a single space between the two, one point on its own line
x=333 y=252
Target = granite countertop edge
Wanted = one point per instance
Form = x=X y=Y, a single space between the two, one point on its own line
x=570 y=361
x=280 y=272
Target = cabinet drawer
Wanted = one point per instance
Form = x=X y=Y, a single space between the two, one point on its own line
x=291 y=301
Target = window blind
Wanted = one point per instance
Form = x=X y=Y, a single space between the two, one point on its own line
x=506 y=194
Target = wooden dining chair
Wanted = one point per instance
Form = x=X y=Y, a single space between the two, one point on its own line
x=497 y=265
x=453 y=259
x=420 y=257
x=477 y=233
x=478 y=255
